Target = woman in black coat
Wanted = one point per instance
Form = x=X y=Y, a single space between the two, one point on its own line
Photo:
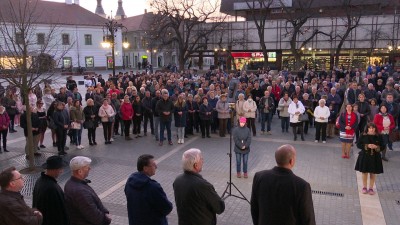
x=91 y=121
x=205 y=114
x=369 y=159
x=137 y=118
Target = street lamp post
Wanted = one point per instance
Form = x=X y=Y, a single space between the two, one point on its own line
x=113 y=26
x=151 y=54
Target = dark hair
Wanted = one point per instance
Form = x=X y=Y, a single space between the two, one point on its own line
x=143 y=160
x=6 y=177
x=371 y=125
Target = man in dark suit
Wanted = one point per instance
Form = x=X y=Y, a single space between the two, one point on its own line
x=280 y=197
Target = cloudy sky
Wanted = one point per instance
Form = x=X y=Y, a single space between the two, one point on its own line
x=131 y=7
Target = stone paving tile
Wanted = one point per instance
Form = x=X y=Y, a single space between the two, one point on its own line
x=320 y=164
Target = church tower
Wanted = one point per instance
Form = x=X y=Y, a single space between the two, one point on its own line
x=99 y=9
x=120 y=11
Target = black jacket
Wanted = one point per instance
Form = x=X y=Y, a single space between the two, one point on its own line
x=14 y=210
x=165 y=106
x=271 y=104
x=147 y=202
x=48 y=198
x=196 y=200
x=280 y=197
x=61 y=118
x=35 y=123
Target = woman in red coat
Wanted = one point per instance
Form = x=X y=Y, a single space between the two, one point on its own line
x=127 y=115
x=4 y=123
x=385 y=124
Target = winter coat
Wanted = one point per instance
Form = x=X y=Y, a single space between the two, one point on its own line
x=249 y=104
x=322 y=112
x=242 y=137
x=83 y=205
x=284 y=105
x=89 y=111
x=197 y=202
x=126 y=111
x=147 y=202
x=10 y=105
x=35 y=123
x=222 y=108
x=165 y=106
x=180 y=120
x=106 y=111
x=48 y=198
x=4 y=120
x=293 y=108
x=239 y=108
x=14 y=210
x=61 y=118
x=203 y=110
x=76 y=114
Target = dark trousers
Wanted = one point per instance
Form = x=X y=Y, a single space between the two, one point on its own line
x=116 y=124
x=320 y=128
x=284 y=123
x=11 y=125
x=189 y=123
x=251 y=125
x=61 y=134
x=222 y=127
x=136 y=124
x=127 y=125
x=196 y=122
x=298 y=128
x=214 y=122
x=3 y=134
x=107 y=130
x=205 y=128
x=148 y=117
x=165 y=125
x=92 y=135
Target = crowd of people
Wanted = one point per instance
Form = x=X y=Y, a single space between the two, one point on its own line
x=353 y=104
x=133 y=104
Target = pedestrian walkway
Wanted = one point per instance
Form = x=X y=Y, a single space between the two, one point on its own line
x=336 y=190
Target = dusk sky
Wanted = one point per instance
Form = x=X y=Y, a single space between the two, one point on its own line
x=131 y=7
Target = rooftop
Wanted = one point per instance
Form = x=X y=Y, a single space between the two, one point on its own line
x=45 y=12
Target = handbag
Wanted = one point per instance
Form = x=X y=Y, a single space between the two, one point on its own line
x=88 y=124
x=75 y=126
x=304 y=117
x=394 y=135
x=111 y=119
x=52 y=125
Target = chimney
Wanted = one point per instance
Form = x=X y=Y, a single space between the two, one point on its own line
x=76 y=2
x=99 y=9
x=68 y=2
x=120 y=11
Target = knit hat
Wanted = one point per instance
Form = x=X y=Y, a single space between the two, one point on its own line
x=242 y=120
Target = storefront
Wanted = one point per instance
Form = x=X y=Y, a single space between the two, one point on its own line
x=255 y=60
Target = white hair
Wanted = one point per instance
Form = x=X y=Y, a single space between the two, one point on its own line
x=78 y=162
x=322 y=101
x=189 y=158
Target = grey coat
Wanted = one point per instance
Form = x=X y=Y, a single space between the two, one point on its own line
x=241 y=137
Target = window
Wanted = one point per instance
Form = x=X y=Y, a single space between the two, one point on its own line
x=65 y=39
x=88 y=39
x=19 y=38
x=40 y=38
x=89 y=60
x=67 y=62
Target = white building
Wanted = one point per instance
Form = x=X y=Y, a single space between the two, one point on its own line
x=69 y=33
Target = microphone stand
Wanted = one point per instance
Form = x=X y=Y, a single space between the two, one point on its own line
x=228 y=190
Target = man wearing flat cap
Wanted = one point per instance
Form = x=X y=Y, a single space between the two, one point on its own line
x=84 y=207
x=48 y=197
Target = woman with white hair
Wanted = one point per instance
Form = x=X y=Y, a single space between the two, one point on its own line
x=321 y=114
x=296 y=110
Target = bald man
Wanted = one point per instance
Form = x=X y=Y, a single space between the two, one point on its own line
x=280 y=197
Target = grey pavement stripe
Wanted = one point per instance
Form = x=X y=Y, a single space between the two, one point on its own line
x=159 y=160
x=371 y=208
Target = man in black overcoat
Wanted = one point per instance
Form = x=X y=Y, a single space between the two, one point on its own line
x=48 y=197
x=280 y=197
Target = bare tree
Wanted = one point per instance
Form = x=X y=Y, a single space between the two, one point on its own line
x=351 y=19
x=184 y=23
x=27 y=64
x=259 y=12
x=296 y=17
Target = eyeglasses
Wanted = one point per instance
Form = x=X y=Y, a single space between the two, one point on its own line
x=21 y=177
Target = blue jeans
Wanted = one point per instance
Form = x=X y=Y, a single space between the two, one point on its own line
x=163 y=125
x=266 y=117
x=285 y=123
x=238 y=161
x=386 y=141
x=156 y=126
x=78 y=136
